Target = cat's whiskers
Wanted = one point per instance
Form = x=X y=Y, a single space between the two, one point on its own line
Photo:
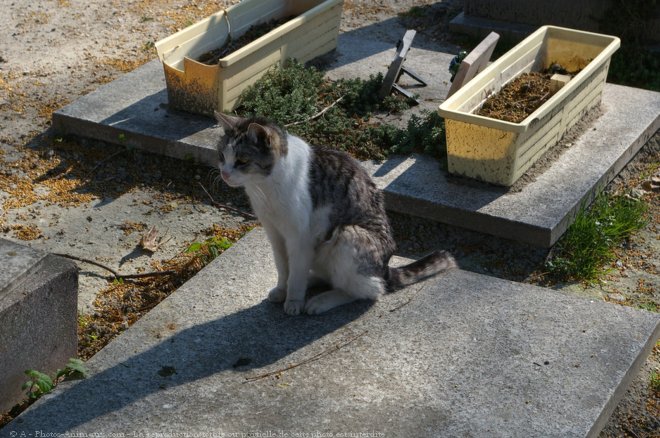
x=259 y=192
x=215 y=180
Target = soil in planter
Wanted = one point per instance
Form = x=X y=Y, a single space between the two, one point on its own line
x=523 y=95
x=257 y=31
x=519 y=98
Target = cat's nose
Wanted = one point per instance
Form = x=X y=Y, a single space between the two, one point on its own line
x=225 y=175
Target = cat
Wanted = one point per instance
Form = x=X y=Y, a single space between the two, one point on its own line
x=322 y=213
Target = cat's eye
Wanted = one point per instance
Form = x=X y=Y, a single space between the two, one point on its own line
x=241 y=162
x=222 y=158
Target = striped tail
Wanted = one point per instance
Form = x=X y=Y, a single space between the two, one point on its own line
x=428 y=266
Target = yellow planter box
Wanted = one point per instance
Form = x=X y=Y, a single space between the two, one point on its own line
x=199 y=88
x=500 y=152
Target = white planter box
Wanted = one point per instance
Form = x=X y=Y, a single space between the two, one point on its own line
x=199 y=88
x=500 y=152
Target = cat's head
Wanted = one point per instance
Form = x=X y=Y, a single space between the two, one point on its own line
x=250 y=149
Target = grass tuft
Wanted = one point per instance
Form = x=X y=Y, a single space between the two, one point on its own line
x=654 y=381
x=583 y=253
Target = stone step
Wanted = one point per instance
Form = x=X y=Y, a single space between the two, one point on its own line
x=38 y=320
x=458 y=355
x=132 y=111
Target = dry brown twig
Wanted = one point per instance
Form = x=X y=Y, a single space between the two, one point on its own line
x=405 y=303
x=115 y=274
x=338 y=346
x=317 y=115
x=227 y=207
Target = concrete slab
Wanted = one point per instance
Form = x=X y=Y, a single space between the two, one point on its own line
x=459 y=355
x=38 y=302
x=133 y=111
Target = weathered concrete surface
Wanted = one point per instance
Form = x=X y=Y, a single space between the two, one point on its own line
x=459 y=355
x=133 y=111
x=38 y=318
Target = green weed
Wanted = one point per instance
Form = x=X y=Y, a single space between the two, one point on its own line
x=414 y=12
x=40 y=383
x=588 y=246
x=210 y=248
x=333 y=114
x=148 y=46
x=286 y=95
x=654 y=381
x=650 y=306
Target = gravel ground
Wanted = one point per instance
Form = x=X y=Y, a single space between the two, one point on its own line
x=77 y=198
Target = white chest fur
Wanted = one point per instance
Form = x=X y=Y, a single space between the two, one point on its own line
x=283 y=199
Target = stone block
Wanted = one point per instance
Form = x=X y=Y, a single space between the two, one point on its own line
x=38 y=316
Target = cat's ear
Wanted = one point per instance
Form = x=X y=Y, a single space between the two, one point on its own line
x=259 y=134
x=226 y=121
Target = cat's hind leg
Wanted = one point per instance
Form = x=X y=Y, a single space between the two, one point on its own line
x=326 y=301
x=352 y=287
x=351 y=268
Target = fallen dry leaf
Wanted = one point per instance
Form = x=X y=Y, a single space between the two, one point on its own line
x=150 y=240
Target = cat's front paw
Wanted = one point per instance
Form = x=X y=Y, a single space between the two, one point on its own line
x=294 y=307
x=277 y=295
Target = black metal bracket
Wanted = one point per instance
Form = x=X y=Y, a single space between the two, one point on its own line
x=397 y=68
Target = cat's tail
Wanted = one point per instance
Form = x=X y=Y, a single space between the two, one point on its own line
x=428 y=266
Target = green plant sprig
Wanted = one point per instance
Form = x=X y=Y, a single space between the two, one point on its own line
x=210 y=248
x=40 y=383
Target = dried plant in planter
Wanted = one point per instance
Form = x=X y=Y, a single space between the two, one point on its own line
x=524 y=94
x=254 y=32
x=519 y=98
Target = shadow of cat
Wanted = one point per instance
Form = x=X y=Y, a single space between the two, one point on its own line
x=238 y=344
